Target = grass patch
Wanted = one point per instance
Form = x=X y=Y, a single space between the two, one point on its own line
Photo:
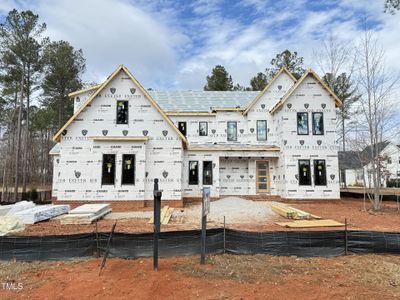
x=249 y=268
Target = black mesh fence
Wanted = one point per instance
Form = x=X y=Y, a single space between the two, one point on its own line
x=55 y=247
x=178 y=243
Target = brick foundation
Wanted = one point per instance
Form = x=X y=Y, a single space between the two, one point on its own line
x=129 y=205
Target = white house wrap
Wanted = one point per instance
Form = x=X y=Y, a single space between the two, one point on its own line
x=278 y=142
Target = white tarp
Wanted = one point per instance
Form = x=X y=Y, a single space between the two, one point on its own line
x=41 y=212
x=10 y=224
x=4 y=209
x=20 y=206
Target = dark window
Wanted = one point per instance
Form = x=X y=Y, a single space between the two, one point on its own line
x=389 y=160
x=232 y=131
x=122 y=112
x=193 y=172
x=304 y=172
x=108 y=175
x=207 y=173
x=182 y=127
x=128 y=169
x=319 y=172
x=302 y=123
x=318 y=123
x=203 y=128
x=261 y=130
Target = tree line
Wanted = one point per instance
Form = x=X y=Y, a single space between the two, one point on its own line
x=36 y=75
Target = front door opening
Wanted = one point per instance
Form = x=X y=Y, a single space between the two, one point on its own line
x=108 y=174
x=262 y=181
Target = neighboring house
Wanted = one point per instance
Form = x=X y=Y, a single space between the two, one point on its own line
x=354 y=165
x=351 y=171
x=279 y=142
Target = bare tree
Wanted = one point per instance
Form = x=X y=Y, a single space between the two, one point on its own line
x=334 y=58
x=336 y=61
x=376 y=86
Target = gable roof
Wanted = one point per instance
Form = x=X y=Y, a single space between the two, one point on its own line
x=298 y=83
x=102 y=86
x=267 y=87
x=367 y=151
x=357 y=159
x=349 y=160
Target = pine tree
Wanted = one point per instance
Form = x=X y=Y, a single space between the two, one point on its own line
x=259 y=82
x=21 y=43
x=63 y=65
x=342 y=86
x=291 y=61
x=219 y=80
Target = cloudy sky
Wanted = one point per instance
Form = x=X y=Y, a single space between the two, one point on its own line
x=174 y=44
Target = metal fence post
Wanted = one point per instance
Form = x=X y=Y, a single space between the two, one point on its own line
x=157 y=212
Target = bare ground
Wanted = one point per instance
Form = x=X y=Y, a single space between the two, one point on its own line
x=223 y=277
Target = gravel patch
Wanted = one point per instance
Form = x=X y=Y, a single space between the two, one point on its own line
x=129 y=215
x=235 y=210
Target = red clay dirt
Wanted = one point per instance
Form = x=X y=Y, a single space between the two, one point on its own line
x=351 y=209
x=223 y=277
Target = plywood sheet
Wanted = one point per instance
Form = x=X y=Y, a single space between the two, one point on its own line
x=310 y=223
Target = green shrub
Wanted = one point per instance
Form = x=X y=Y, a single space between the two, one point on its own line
x=25 y=196
x=393 y=183
x=33 y=195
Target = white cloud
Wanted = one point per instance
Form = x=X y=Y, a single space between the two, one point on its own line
x=112 y=33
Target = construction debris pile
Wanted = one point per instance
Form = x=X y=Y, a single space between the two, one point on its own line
x=13 y=217
x=302 y=219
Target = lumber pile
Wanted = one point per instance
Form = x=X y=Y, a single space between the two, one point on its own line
x=302 y=219
x=86 y=214
x=310 y=223
x=292 y=213
x=166 y=215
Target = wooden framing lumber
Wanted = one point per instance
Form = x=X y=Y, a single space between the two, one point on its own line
x=293 y=213
x=282 y=211
x=164 y=211
x=310 y=216
x=168 y=216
